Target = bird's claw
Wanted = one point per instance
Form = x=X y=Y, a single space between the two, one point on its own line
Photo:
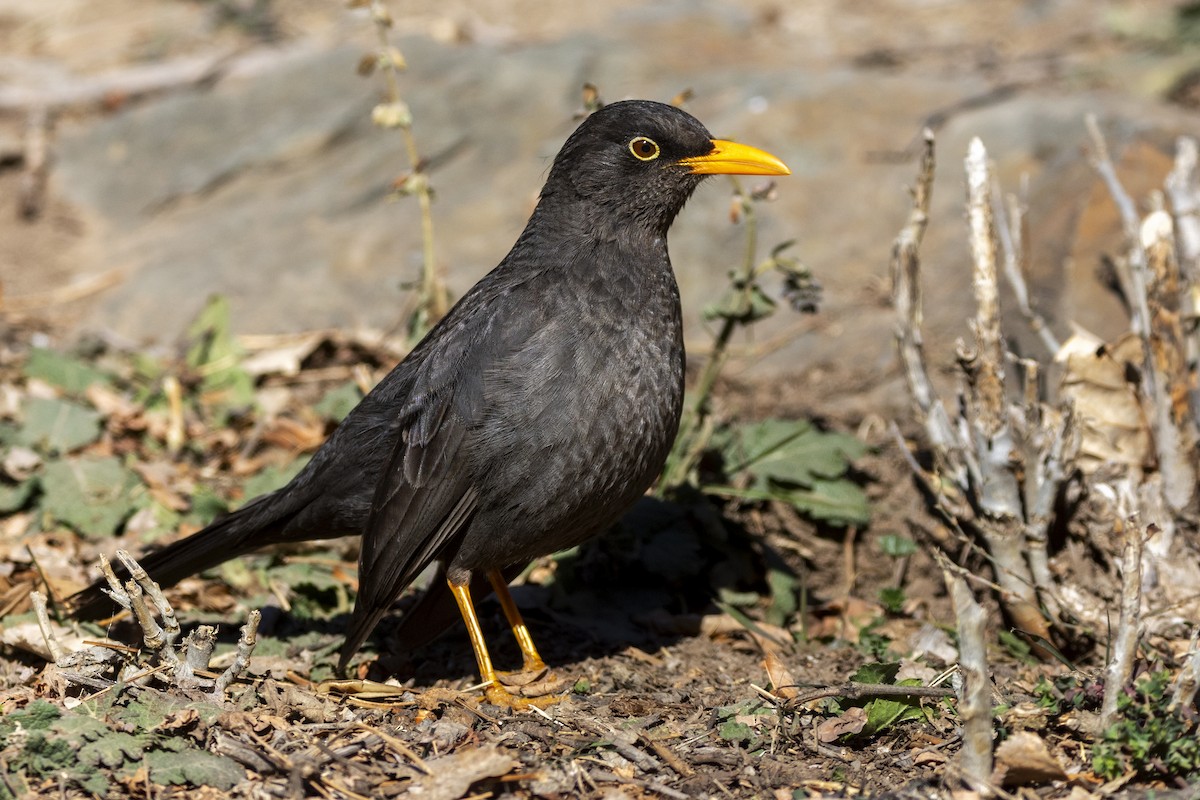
x=498 y=694
x=535 y=685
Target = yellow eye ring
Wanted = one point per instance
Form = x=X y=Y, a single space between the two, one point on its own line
x=644 y=149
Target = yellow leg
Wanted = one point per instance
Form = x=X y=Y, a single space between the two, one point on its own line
x=462 y=595
x=495 y=693
x=533 y=661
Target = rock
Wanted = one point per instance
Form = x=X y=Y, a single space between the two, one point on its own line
x=270 y=187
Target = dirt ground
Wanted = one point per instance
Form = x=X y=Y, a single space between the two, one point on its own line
x=676 y=679
x=708 y=647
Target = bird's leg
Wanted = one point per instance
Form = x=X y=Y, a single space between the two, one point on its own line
x=533 y=661
x=462 y=595
x=495 y=693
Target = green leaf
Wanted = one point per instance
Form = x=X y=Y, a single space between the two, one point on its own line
x=877 y=672
x=315 y=591
x=892 y=598
x=146 y=712
x=739 y=722
x=91 y=495
x=217 y=356
x=207 y=505
x=43 y=756
x=839 y=502
x=790 y=451
x=57 y=426
x=14 y=497
x=897 y=546
x=734 y=731
x=194 y=767
x=1016 y=646
x=58 y=369
x=93 y=781
x=37 y=716
x=271 y=478
x=78 y=729
x=792 y=461
x=741 y=308
x=113 y=749
x=883 y=712
x=783 y=585
x=339 y=402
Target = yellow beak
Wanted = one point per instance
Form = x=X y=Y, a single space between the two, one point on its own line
x=731 y=158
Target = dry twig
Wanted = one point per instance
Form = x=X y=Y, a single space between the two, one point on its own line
x=1006 y=463
x=1125 y=642
x=975 y=689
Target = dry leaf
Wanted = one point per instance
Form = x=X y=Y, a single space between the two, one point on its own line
x=295 y=435
x=359 y=688
x=851 y=722
x=1023 y=759
x=844 y=618
x=20 y=463
x=929 y=757
x=111 y=403
x=1111 y=418
x=279 y=354
x=768 y=637
x=451 y=776
x=782 y=682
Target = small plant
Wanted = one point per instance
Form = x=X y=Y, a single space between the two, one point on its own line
x=786 y=460
x=745 y=723
x=433 y=299
x=745 y=304
x=106 y=743
x=1151 y=738
x=872 y=703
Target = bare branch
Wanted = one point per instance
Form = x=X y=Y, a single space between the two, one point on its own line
x=197 y=650
x=1124 y=645
x=1183 y=187
x=1010 y=224
x=990 y=433
x=1170 y=405
x=43 y=618
x=1188 y=679
x=241 y=661
x=115 y=590
x=35 y=163
x=906 y=297
x=170 y=625
x=1130 y=272
x=975 y=689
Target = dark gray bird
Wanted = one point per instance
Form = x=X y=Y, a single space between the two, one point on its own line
x=531 y=417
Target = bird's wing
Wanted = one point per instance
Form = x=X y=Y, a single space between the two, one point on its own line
x=425 y=496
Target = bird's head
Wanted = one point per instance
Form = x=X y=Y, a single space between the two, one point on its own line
x=638 y=161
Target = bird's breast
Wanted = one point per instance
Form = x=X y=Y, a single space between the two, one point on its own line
x=582 y=415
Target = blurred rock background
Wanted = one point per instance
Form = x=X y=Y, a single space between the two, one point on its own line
x=224 y=146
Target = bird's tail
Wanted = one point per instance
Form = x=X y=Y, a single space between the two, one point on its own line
x=233 y=535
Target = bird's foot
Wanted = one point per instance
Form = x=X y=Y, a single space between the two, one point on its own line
x=534 y=685
x=499 y=695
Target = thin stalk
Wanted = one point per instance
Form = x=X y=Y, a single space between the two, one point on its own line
x=695 y=429
x=432 y=301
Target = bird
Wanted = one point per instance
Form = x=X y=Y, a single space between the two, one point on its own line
x=528 y=419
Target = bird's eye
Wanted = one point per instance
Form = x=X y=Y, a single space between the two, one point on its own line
x=644 y=149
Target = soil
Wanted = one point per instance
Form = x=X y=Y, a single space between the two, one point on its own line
x=672 y=681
